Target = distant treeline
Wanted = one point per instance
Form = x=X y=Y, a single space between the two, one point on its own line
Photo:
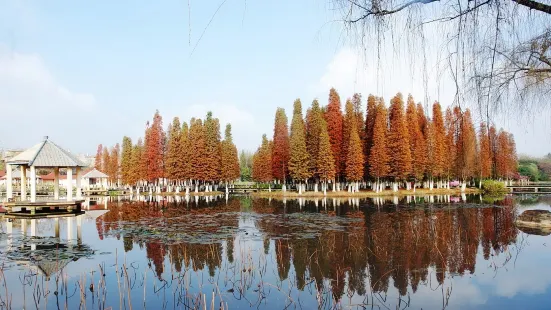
x=537 y=169
x=395 y=144
x=182 y=155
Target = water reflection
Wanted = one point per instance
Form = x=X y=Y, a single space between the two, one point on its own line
x=325 y=253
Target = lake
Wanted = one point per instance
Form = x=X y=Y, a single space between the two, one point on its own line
x=243 y=252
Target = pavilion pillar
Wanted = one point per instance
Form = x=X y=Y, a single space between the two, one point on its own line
x=23 y=182
x=69 y=184
x=9 y=180
x=79 y=194
x=33 y=184
x=56 y=183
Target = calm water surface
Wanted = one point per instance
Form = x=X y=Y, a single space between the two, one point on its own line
x=452 y=253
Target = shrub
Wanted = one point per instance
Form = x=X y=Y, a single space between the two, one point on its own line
x=493 y=187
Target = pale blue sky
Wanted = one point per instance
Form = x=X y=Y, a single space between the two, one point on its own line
x=89 y=72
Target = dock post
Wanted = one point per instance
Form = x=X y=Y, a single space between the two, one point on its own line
x=69 y=229
x=9 y=231
x=79 y=229
x=535 y=189
x=56 y=227
x=33 y=233
x=24 y=226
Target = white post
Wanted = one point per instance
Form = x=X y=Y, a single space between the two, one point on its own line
x=69 y=228
x=33 y=233
x=9 y=231
x=69 y=184
x=33 y=184
x=79 y=194
x=33 y=227
x=9 y=184
x=56 y=227
x=24 y=227
x=23 y=182
x=79 y=229
x=56 y=183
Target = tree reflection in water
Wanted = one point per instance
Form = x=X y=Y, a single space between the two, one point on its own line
x=337 y=248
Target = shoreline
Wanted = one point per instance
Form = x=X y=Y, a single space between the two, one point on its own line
x=364 y=193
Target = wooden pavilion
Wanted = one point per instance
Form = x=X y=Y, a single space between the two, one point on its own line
x=44 y=155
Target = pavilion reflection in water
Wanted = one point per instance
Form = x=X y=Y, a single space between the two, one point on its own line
x=371 y=248
x=33 y=243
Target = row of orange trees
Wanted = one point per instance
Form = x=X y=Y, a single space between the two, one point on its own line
x=183 y=155
x=398 y=144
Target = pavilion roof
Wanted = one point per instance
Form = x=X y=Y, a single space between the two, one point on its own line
x=95 y=174
x=46 y=154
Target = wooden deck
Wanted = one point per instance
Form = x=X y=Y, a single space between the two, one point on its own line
x=42 y=208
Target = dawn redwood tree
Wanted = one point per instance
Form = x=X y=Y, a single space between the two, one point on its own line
x=506 y=161
x=173 y=150
x=485 y=157
x=354 y=158
x=369 y=124
x=183 y=163
x=113 y=166
x=326 y=163
x=154 y=149
x=334 y=120
x=512 y=156
x=212 y=147
x=280 y=155
x=314 y=119
x=398 y=141
x=105 y=161
x=229 y=167
x=126 y=160
x=349 y=121
x=98 y=158
x=136 y=173
x=466 y=146
x=262 y=168
x=451 y=125
x=198 y=151
x=298 y=155
x=360 y=120
x=418 y=146
x=438 y=137
x=492 y=134
x=378 y=155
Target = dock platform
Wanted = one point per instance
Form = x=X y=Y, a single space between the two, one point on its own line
x=42 y=208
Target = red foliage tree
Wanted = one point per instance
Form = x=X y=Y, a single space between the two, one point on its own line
x=334 y=119
x=378 y=155
x=154 y=149
x=485 y=154
x=98 y=158
x=280 y=156
x=398 y=141
x=417 y=141
x=438 y=137
x=369 y=124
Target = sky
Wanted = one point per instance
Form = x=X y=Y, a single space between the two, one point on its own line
x=85 y=73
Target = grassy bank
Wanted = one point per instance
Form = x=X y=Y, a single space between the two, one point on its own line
x=365 y=193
